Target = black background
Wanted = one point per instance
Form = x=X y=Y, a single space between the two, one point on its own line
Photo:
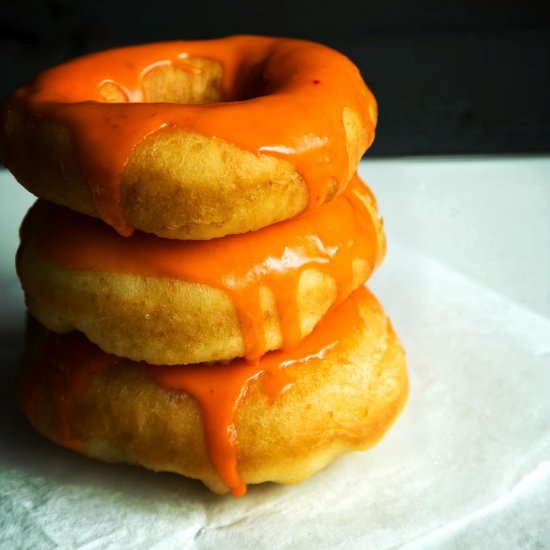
x=450 y=77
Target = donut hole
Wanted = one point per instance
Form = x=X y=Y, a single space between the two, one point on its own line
x=193 y=81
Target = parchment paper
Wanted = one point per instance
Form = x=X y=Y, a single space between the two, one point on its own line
x=466 y=466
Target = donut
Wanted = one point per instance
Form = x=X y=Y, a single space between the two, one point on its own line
x=192 y=140
x=279 y=419
x=177 y=302
x=222 y=331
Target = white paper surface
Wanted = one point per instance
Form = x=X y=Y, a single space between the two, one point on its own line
x=466 y=466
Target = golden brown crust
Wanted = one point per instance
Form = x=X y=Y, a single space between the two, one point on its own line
x=153 y=319
x=344 y=403
x=187 y=186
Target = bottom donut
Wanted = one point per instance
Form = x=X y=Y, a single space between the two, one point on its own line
x=279 y=419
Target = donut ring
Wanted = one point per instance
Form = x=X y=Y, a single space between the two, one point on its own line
x=178 y=302
x=192 y=140
x=339 y=391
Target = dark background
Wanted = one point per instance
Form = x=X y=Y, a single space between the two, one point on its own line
x=450 y=77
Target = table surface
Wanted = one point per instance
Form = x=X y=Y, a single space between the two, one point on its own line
x=467 y=284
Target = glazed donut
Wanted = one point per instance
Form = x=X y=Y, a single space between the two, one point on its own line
x=192 y=140
x=280 y=419
x=177 y=302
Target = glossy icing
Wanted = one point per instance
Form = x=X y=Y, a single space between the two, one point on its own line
x=283 y=98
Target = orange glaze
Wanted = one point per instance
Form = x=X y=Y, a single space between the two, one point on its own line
x=71 y=361
x=296 y=113
x=328 y=239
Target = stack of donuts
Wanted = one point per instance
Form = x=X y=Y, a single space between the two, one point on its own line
x=194 y=266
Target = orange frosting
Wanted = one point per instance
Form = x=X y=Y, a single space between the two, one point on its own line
x=70 y=362
x=281 y=97
x=328 y=239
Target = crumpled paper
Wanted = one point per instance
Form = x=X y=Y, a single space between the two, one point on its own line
x=467 y=465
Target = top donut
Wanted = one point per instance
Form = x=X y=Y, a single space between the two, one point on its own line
x=192 y=140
